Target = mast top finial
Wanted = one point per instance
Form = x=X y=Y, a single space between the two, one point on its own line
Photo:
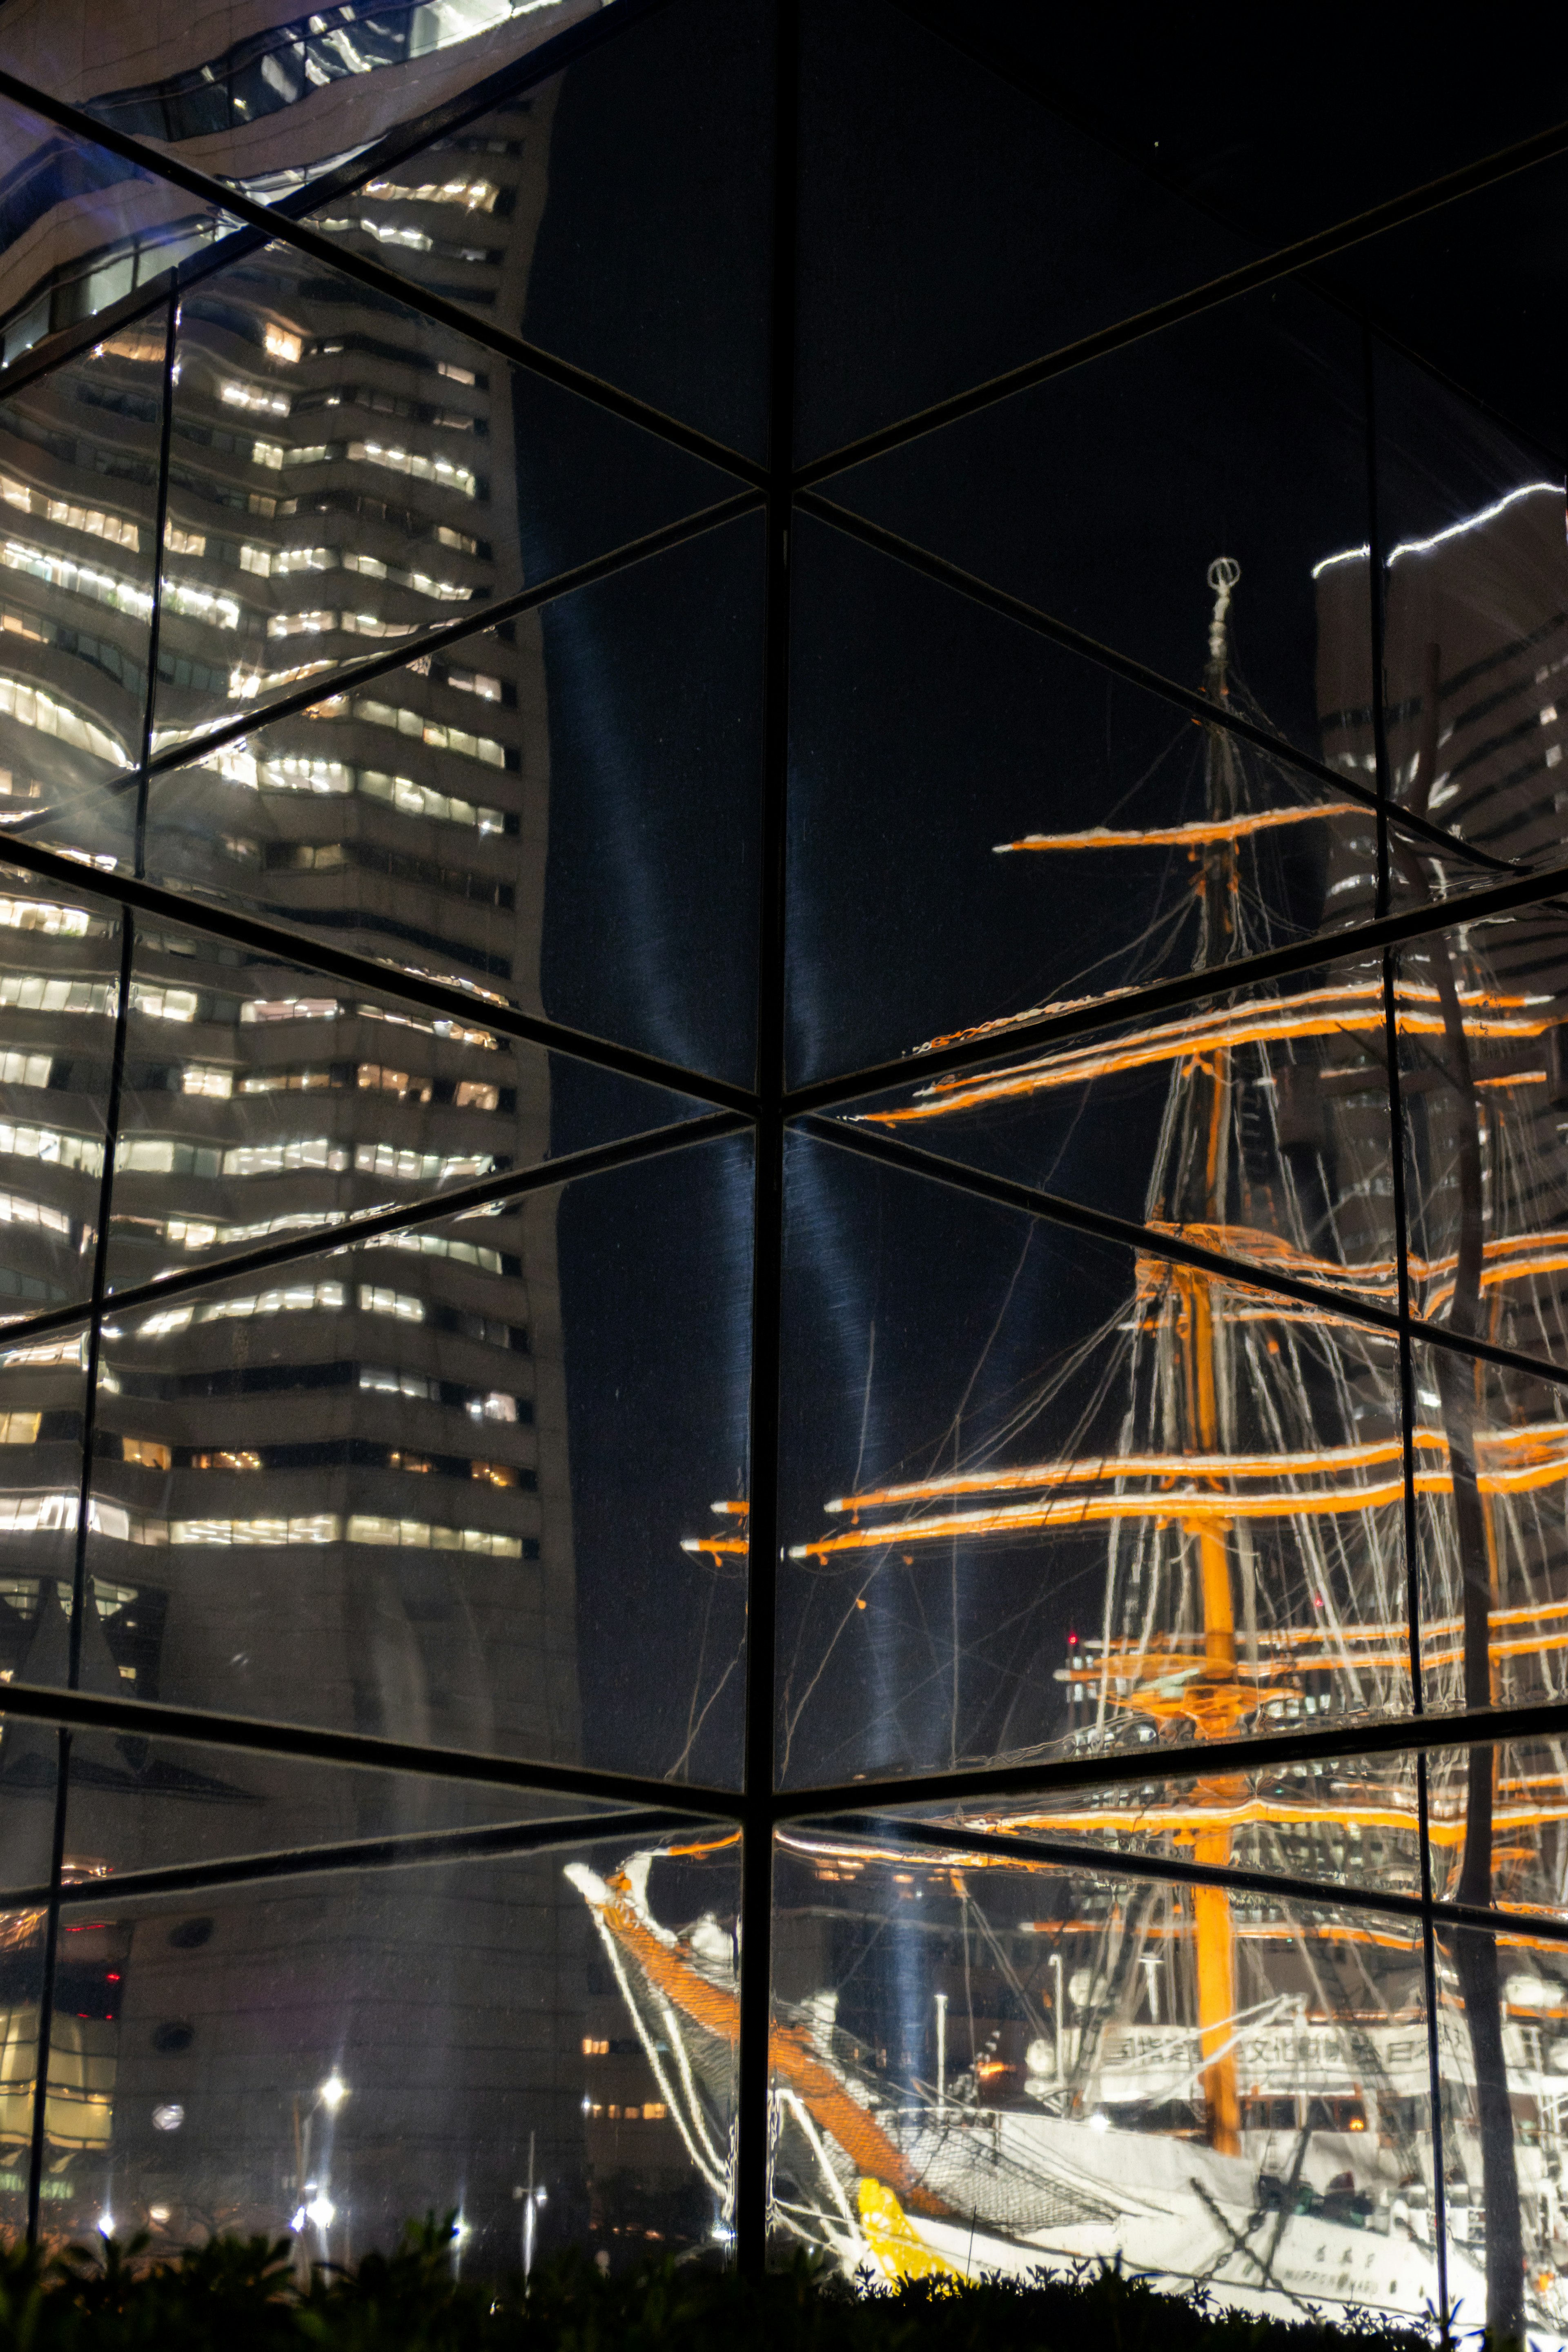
x=1222 y=575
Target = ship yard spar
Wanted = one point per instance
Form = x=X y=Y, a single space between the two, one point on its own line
x=1251 y=1522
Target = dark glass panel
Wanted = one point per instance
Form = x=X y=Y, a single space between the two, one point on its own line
x=561 y=813
x=80 y=228
x=617 y=215
x=346 y=476
x=1054 y=2064
x=951 y=227
x=21 y=2002
x=1496 y=1818
x=42 y=1392
x=1255 y=1124
x=78 y=478
x=1104 y=495
x=1476 y=602
x=1502 y=2001
x=1483 y=1091
x=340 y=2055
x=1350 y=1822
x=158 y=1804
x=1043 y=1497
x=440 y=1484
x=1491 y=1472
x=59 y=981
x=29 y=1776
x=262 y=1099
x=288 y=99
x=929 y=735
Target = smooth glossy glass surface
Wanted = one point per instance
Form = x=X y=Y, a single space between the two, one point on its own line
x=1502 y=2000
x=260 y=1099
x=984 y=826
x=438 y=1485
x=1104 y=495
x=1495 y=1825
x=1476 y=602
x=271 y=103
x=1491 y=1468
x=59 y=985
x=42 y=1395
x=139 y=1804
x=1255 y=1124
x=1044 y=1497
x=1485 y=1108
x=951 y=227
x=22 y=1975
x=1055 y=2064
x=78 y=478
x=346 y=476
x=561 y=813
x=338 y=2054
x=616 y=214
x=80 y=228
x=29 y=1776
x=1351 y=1821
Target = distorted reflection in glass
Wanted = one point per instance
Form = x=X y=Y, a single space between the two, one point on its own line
x=1048 y=833
x=500 y=814
x=78 y=478
x=449 y=1483
x=1044 y=1495
x=59 y=987
x=580 y=214
x=1255 y=1124
x=983 y=2067
x=260 y=1099
x=346 y=475
x=43 y=1383
x=81 y=228
x=1348 y=1822
x=1516 y=1794
x=1503 y=2059
x=338 y=2053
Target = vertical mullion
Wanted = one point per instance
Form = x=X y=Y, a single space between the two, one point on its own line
x=754 y=2156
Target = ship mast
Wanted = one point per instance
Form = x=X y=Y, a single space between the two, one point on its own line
x=1201 y=1384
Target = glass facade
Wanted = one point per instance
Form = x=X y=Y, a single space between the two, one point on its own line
x=782 y=980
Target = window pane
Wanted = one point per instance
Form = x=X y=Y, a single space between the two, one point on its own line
x=22 y=1972
x=42 y=1392
x=262 y=1099
x=1496 y=1818
x=29 y=1772
x=79 y=474
x=1039 y=2063
x=345 y=476
x=1491 y=1471
x=1255 y=1124
x=1500 y=2003
x=951 y=227
x=982 y=824
x=616 y=214
x=1350 y=1822
x=59 y=982
x=288 y=99
x=1042 y=1496
x=552 y=812
x=1104 y=495
x=161 y=1804
x=439 y=1485
x=360 y=2049
x=80 y=228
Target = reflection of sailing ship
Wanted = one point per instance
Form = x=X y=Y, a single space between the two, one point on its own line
x=1251 y=1512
